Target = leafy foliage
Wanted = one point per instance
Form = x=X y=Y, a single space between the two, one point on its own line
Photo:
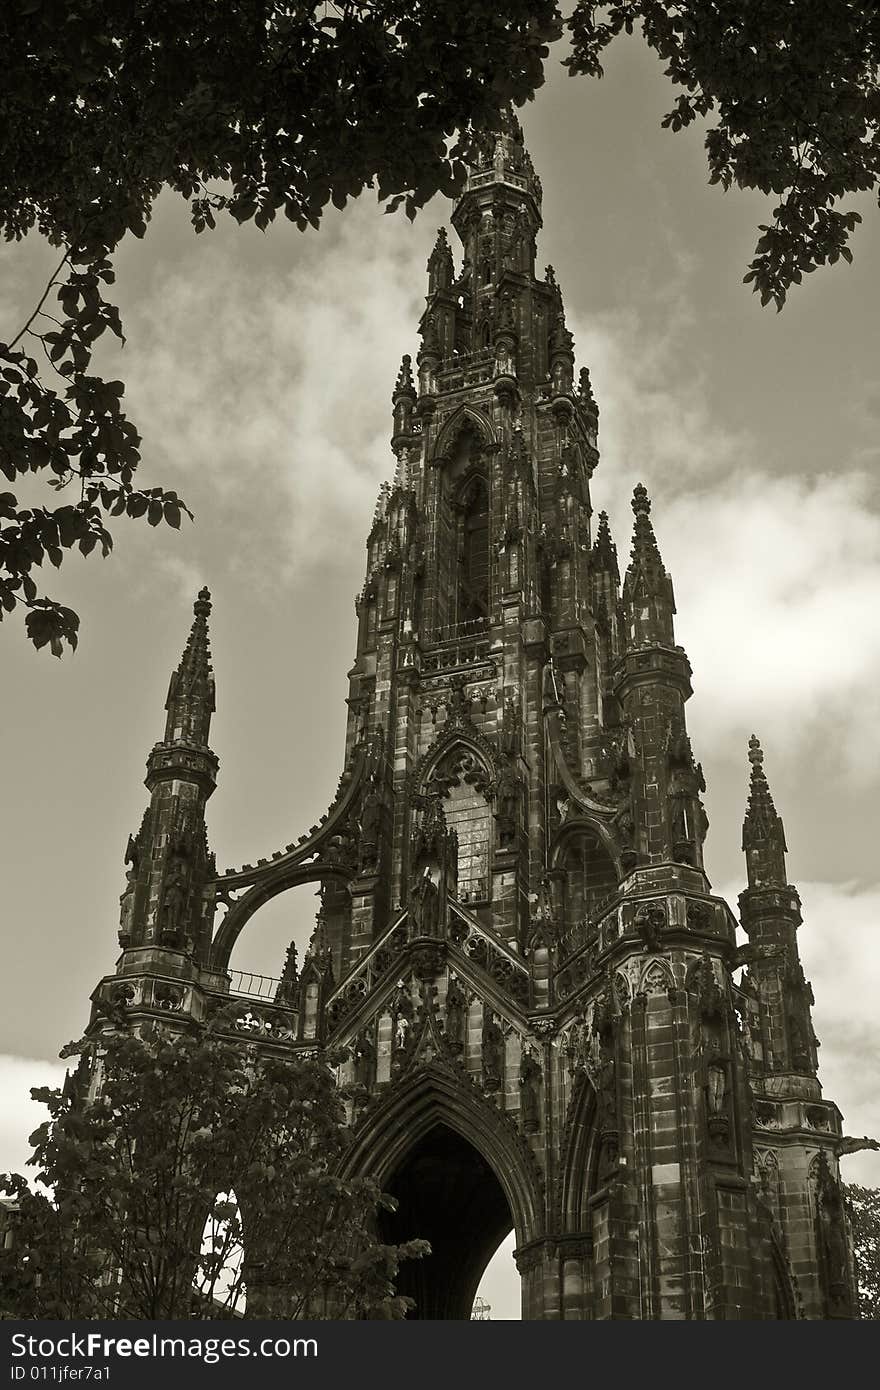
x=140 y=1220
x=247 y=108
x=792 y=86
x=864 y=1205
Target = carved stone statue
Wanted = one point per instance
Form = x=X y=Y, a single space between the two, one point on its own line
x=549 y=687
x=402 y=1023
x=371 y=826
x=649 y=922
x=174 y=900
x=126 y=908
x=456 y=1013
x=509 y=741
x=508 y=802
x=364 y=1056
x=530 y=1078
x=493 y=1054
x=679 y=818
x=716 y=1084
x=544 y=908
x=424 y=907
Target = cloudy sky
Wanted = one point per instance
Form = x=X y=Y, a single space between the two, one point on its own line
x=259 y=371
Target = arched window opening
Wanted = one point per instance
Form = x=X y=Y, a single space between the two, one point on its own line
x=486 y=273
x=473 y=581
x=486 y=335
x=448 y=1195
x=590 y=876
x=462 y=780
x=467 y=813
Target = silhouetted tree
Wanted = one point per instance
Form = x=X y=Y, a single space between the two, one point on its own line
x=172 y=1166
x=865 y=1214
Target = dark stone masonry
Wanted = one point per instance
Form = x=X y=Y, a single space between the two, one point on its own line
x=517 y=948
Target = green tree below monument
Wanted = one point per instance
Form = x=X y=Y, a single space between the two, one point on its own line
x=865 y=1215
x=135 y=1216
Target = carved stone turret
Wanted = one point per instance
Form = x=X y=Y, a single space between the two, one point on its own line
x=771 y=914
x=167 y=902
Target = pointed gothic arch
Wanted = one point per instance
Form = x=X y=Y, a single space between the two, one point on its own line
x=463 y=1177
x=462 y=770
x=465 y=418
x=435 y=1095
x=241 y=911
x=461 y=504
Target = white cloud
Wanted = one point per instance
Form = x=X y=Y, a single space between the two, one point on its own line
x=274 y=391
x=779 y=581
x=19 y=1115
x=655 y=423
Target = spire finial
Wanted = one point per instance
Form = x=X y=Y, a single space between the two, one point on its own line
x=585 y=391
x=404 y=385
x=604 y=552
x=760 y=809
x=645 y=550
x=190 y=701
x=763 y=833
x=441 y=269
x=647 y=588
x=641 y=502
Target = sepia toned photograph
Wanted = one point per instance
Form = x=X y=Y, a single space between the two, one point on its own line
x=440 y=649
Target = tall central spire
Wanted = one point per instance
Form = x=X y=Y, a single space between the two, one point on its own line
x=502 y=158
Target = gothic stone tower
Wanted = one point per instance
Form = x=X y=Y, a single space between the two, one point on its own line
x=518 y=951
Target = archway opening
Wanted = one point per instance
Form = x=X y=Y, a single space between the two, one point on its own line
x=499 y=1296
x=449 y=1195
x=258 y=955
